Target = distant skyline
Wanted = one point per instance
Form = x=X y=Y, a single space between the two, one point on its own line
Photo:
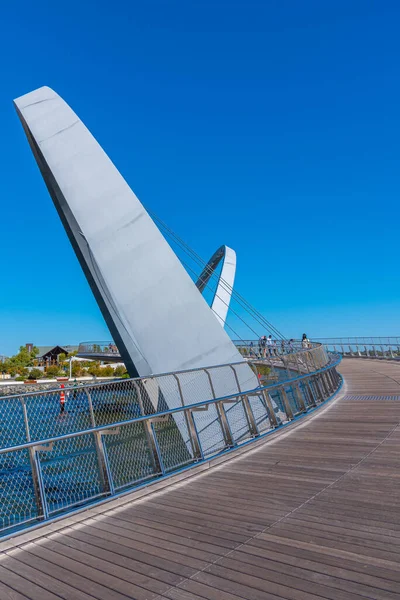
x=269 y=126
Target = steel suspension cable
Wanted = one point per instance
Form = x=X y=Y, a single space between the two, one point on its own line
x=256 y=315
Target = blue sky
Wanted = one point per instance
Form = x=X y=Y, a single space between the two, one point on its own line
x=271 y=126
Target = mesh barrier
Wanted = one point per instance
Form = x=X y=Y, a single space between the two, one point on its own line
x=260 y=411
x=173 y=440
x=129 y=455
x=70 y=472
x=278 y=406
x=18 y=503
x=238 y=422
x=146 y=428
x=12 y=428
x=209 y=430
x=46 y=419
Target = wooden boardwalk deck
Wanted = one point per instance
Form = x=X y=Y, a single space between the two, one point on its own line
x=314 y=514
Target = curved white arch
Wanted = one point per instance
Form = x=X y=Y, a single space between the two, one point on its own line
x=223 y=293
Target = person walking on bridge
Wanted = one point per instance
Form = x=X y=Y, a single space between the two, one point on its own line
x=262 y=346
x=270 y=345
x=305 y=342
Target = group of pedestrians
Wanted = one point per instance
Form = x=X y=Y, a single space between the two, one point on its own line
x=269 y=347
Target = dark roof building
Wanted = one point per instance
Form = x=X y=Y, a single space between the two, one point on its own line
x=51 y=353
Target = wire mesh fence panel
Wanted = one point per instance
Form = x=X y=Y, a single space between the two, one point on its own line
x=278 y=405
x=260 y=411
x=12 y=427
x=173 y=440
x=129 y=455
x=114 y=402
x=168 y=394
x=209 y=430
x=238 y=422
x=246 y=375
x=224 y=381
x=195 y=386
x=71 y=473
x=49 y=417
x=18 y=502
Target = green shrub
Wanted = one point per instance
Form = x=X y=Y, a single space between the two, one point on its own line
x=52 y=371
x=35 y=374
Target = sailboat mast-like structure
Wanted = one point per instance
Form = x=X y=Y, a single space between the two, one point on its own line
x=153 y=309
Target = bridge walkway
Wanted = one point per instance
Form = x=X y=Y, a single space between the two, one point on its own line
x=312 y=513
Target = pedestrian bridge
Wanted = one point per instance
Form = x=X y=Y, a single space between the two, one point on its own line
x=309 y=511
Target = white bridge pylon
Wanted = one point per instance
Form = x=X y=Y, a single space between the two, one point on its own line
x=223 y=292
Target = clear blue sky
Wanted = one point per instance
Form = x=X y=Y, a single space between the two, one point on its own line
x=271 y=126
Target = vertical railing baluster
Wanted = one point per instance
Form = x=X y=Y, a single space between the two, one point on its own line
x=150 y=436
x=310 y=392
x=223 y=421
x=105 y=473
x=270 y=409
x=37 y=479
x=190 y=424
x=248 y=411
x=288 y=408
x=299 y=397
x=226 y=430
x=194 y=436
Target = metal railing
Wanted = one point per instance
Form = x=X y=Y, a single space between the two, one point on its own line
x=108 y=349
x=106 y=438
x=364 y=347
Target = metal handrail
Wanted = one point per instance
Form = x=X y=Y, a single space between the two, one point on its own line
x=171 y=411
x=71 y=387
x=102 y=348
x=240 y=417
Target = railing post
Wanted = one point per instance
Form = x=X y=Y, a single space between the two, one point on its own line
x=194 y=436
x=323 y=385
x=330 y=383
x=106 y=479
x=317 y=387
x=299 y=397
x=223 y=420
x=335 y=377
x=38 y=485
x=150 y=435
x=309 y=391
x=251 y=422
x=37 y=479
x=190 y=424
x=288 y=408
x=270 y=409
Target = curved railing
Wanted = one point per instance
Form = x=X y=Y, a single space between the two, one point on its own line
x=69 y=447
x=364 y=347
x=104 y=350
x=108 y=350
